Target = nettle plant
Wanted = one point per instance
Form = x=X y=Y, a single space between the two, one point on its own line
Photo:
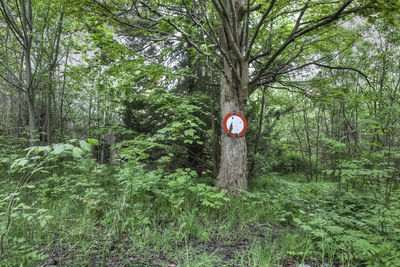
x=352 y=228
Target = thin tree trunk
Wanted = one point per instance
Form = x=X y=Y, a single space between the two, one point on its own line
x=317 y=144
x=309 y=150
x=27 y=27
x=299 y=139
x=62 y=99
x=258 y=135
x=52 y=68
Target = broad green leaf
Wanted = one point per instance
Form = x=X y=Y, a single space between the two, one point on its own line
x=93 y=142
x=42 y=148
x=77 y=152
x=58 y=149
x=30 y=149
x=189 y=132
x=10 y=196
x=85 y=145
x=19 y=162
x=68 y=146
x=43 y=223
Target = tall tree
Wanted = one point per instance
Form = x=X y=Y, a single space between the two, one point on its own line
x=19 y=19
x=253 y=43
x=36 y=29
x=250 y=60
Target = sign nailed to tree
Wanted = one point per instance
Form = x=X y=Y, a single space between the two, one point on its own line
x=235 y=124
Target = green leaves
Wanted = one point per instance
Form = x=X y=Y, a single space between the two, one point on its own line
x=93 y=142
x=77 y=152
x=39 y=155
x=85 y=145
x=189 y=132
x=58 y=149
x=22 y=162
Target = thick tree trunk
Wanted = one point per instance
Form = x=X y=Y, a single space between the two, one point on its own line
x=232 y=171
x=234 y=93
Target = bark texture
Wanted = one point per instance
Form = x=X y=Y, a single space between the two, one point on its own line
x=232 y=172
x=233 y=94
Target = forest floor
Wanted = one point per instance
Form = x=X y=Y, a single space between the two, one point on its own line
x=224 y=250
x=282 y=221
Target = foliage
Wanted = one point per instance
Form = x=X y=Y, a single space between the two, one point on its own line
x=142 y=79
x=355 y=227
x=172 y=210
x=52 y=178
x=175 y=128
x=344 y=226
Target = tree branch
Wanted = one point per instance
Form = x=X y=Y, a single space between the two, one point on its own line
x=258 y=28
x=290 y=38
x=325 y=20
x=228 y=30
x=13 y=84
x=208 y=21
x=11 y=23
x=212 y=37
x=341 y=68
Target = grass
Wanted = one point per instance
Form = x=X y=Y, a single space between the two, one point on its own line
x=92 y=220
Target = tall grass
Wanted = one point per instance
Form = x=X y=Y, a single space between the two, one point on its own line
x=89 y=214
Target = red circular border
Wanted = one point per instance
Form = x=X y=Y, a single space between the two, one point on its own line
x=226 y=127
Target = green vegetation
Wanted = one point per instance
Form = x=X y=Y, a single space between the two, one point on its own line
x=86 y=213
x=112 y=151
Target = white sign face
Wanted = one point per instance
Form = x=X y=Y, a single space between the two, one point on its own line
x=235 y=124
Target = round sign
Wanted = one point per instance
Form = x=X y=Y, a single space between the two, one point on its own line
x=235 y=124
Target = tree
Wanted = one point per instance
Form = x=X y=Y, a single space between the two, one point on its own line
x=253 y=44
x=38 y=44
x=240 y=44
x=23 y=33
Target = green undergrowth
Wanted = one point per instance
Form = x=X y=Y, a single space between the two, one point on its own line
x=74 y=212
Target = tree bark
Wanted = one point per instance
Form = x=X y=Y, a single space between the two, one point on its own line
x=232 y=171
x=258 y=136
x=26 y=8
x=233 y=93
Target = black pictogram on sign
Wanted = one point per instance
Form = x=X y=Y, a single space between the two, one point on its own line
x=235 y=124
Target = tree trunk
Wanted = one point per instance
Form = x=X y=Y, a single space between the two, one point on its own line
x=27 y=26
x=233 y=93
x=32 y=121
x=33 y=128
x=21 y=25
x=232 y=171
x=258 y=136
